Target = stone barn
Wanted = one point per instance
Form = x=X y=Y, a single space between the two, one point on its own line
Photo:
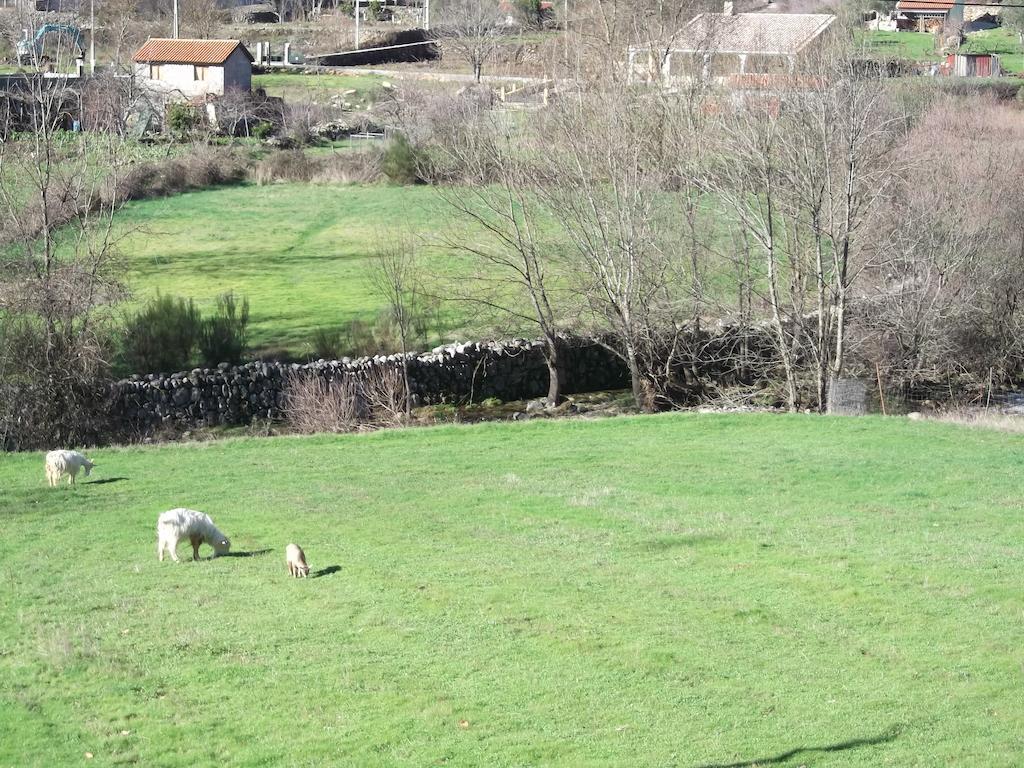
x=194 y=68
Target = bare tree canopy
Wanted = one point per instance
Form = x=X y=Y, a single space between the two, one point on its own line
x=472 y=30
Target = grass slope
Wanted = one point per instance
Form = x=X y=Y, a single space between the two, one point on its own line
x=360 y=89
x=1005 y=42
x=300 y=253
x=677 y=590
x=915 y=46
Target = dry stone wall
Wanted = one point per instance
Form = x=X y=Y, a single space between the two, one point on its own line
x=457 y=373
x=511 y=370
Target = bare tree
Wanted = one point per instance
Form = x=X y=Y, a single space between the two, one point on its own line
x=58 y=278
x=943 y=296
x=801 y=167
x=118 y=21
x=395 y=277
x=747 y=182
x=845 y=149
x=472 y=29
x=602 y=175
x=201 y=18
x=505 y=232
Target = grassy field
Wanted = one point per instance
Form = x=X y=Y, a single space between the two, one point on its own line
x=358 y=90
x=299 y=252
x=1002 y=41
x=915 y=46
x=678 y=590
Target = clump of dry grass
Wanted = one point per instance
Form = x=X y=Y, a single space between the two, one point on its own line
x=376 y=399
x=294 y=165
x=317 y=405
x=979 y=419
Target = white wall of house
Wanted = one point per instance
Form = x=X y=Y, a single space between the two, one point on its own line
x=193 y=81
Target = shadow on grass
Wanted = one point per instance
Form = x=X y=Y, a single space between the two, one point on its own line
x=883 y=738
x=325 y=571
x=253 y=553
x=106 y=480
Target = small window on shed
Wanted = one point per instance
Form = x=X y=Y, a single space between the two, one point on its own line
x=200 y=74
x=154 y=72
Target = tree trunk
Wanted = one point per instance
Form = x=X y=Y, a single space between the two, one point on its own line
x=780 y=329
x=641 y=396
x=821 y=343
x=554 y=357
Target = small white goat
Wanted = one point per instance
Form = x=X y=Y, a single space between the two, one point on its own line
x=296 y=560
x=176 y=524
x=60 y=463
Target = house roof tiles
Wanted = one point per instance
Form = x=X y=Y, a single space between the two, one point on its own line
x=751 y=33
x=187 y=51
x=926 y=6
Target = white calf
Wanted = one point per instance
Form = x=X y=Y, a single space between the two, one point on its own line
x=60 y=463
x=296 y=560
x=177 y=524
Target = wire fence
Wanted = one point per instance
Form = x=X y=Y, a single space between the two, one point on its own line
x=867 y=394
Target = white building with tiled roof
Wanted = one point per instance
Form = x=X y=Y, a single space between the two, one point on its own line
x=721 y=44
x=194 y=68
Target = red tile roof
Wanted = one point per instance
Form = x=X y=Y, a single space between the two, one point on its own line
x=927 y=6
x=185 y=51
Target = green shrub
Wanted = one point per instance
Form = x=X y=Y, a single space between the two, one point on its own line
x=530 y=12
x=162 y=336
x=442 y=412
x=385 y=332
x=182 y=119
x=223 y=336
x=359 y=339
x=262 y=130
x=327 y=343
x=400 y=161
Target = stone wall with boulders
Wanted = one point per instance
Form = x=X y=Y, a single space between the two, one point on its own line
x=457 y=373
x=510 y=370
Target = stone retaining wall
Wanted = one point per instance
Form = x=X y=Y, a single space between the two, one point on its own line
x=510 y=370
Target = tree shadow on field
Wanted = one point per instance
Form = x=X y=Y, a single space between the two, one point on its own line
x=882 y=738
x=106 y=480
x=252 y=553
x=325 y=571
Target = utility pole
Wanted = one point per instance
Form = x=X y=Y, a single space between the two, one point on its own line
x=174 y=32
x=92 y=37
x=565 y=35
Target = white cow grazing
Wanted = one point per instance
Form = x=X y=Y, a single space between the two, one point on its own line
x=177 y=524
x=60 y=463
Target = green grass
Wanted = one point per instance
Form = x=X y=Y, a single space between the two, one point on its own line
x=678 y=590
x=301 y=253
x=359 y=90
x=1001 y=41
x=915 y=46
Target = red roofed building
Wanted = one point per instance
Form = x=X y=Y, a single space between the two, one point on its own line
x=928 y=15
x=194 y=67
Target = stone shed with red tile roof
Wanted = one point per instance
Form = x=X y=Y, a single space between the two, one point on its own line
x=194 y=68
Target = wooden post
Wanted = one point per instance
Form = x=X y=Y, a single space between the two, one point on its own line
x=881 y=394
